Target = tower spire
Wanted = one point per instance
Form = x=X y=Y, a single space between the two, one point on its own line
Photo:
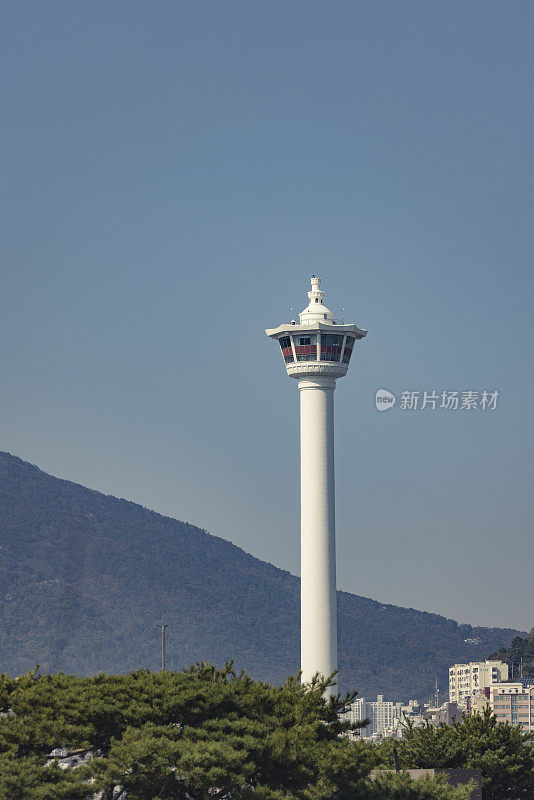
x=316 y=311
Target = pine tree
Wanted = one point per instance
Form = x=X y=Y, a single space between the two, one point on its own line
x=201 y=734
x=501 y=751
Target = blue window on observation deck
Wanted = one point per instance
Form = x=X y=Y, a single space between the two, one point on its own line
x=331 y=344
x=306 y=347
x=349 y=344
x=285 y=346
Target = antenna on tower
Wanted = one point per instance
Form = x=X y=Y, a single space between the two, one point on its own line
x=162 y=627
x=437 y=693
x=342 y=316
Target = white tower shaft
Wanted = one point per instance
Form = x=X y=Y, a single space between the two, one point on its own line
x=316 y=352
x=318 y=549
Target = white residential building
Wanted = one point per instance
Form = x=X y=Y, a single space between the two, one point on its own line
x=414 y=711
x=444 y=715
x=385 y=716
x=468 y=681
x=356 y=711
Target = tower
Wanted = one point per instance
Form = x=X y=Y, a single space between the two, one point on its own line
x=316 y=352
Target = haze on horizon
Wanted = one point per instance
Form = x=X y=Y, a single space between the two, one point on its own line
x=173 y=175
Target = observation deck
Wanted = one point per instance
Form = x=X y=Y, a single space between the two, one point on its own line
x=318 y=344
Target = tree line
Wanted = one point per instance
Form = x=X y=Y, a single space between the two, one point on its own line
x=215 y=734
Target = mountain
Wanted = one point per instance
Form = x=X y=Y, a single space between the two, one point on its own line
x=84 y=577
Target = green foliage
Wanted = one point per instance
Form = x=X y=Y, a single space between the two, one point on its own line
x=172 y=735
x=27 y=778
x=202 y=734
x=399 y=786
x=519 y=656
x=501 y=751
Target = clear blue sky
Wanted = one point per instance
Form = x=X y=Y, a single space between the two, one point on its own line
x=172 y=174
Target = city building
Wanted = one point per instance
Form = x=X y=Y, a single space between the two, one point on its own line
x=356 y=712
x=477 y=705
x=388 y=718
x=415 y=712
x=385 y=716
x=444 y=715
x=316 y=352
x=513 y=703
x=467 y=681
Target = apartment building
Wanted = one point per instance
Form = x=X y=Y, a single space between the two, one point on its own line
x=444 y=715
x=513 y=703
x=468 y=681
x=356 y=711
x=384 y=715
x=387 y=718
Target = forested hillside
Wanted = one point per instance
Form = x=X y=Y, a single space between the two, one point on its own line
x=84 y=578
x=520 y=657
